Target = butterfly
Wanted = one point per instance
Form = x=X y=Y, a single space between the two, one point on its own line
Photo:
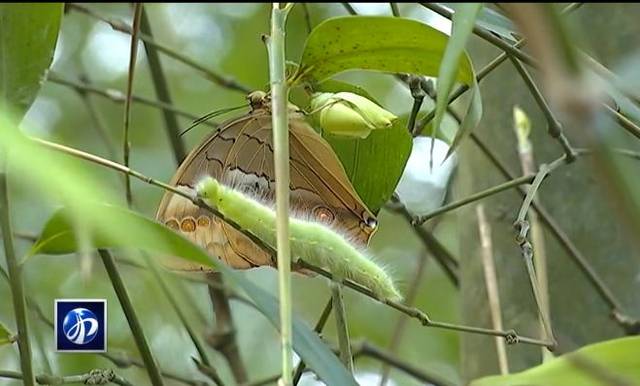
x=240 y=153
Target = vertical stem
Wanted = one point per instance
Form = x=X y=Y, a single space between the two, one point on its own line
x=318 y=328
x=399 y=329
x=491 y=281
x=162 y=90
x=224 y=337
x=280 y=121
x=525 y=152
x=169 y=294
x=126 y=146
x=342 y=327
x=129 y=312
x=15 y=281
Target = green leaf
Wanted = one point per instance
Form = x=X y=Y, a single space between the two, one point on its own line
x=388 y=44
x=55 y=177
x=126 y=228
x=5 y=335
x=396 y=45
x=616 y=359
x=462 y=27
x=373 y=164
x=28 y=34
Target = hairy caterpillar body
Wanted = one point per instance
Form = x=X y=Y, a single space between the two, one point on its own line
x=314 y=242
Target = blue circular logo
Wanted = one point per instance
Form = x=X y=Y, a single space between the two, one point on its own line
x=80 y=326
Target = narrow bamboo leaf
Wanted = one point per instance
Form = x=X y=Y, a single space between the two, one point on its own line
x=603 y=363
x=28 y=34
x=374 y=164
x=463 y=22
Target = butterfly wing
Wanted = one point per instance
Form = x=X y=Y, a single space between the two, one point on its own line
x=217 y=156
x=241 y=154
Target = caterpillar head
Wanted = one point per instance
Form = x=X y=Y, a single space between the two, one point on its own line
x=208 y=189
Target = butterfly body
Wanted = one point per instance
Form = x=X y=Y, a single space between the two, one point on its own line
x=240 y=154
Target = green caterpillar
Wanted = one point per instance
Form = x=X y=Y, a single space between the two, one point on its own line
x=313 y=242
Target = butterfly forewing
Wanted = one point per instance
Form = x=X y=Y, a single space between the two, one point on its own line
x=241 y=154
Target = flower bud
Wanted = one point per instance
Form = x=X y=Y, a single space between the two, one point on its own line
x=350 y=114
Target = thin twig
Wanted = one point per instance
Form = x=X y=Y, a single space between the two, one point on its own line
x=474 y=197
x=572 y=250
x=486 y=35
x=349 y=8
x=491 y=282
x=307 y=17
x=399 y=329
x=168 y=293
x=223 y=339
x=97 y=120
x=369 y=350
x=443 y=257
x=513 y=51
x=623 y=121
x=93 y=377
x=486 y=70
x=554 y=127
x=162 y=91
x=511 y=336
x=133 y=55
x=525 y=153
x=418 y=94
x=208 y=371
x=119 y=26
x=394 y=9
x=322 y=320
x=522 y=227
x=15 y=281
x=342 y=327
x=129 y=312
x=118 y=96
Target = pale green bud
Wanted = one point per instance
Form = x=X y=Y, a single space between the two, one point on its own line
x=522 y=126
x=350 y=114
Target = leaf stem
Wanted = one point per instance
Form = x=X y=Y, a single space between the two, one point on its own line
x=133 y=54
x=342 y=328
x=474 y=197
x=119 y=26
x=280 y=123
x=318 y=328
x=129 y=312
x=369 y=350
x=15 y=282
x=511 y=336
x=491 y=282
x=162 y=90
x=223 y=339
x=118 y=96
x=159 y=278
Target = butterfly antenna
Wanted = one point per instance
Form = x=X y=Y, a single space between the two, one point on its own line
x=211 y=115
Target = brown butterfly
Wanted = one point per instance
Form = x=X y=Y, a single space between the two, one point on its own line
x=241 y=153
